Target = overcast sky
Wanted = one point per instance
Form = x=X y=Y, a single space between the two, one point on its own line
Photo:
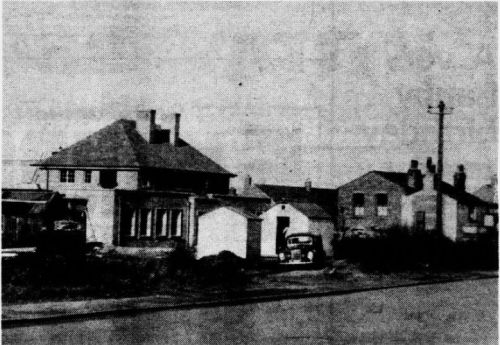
x=282 y=91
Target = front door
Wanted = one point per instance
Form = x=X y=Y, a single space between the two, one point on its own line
x=281 y=224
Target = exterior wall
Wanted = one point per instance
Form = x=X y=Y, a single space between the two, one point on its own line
x=222 y=229
x=407 y=212
x=370 y=185
x=298 y=223
x=326 y=229
x=100 y=206
x=425 y=201
x=253 y=238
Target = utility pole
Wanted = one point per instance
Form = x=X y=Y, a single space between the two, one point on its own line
x=442 y=111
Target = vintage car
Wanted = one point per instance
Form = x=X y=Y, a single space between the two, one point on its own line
x=303 y=248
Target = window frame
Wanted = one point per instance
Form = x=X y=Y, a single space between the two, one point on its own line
x=87 y=176
x=358 y=209
x=381 y=206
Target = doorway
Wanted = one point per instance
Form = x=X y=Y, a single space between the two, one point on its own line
x=281 y=224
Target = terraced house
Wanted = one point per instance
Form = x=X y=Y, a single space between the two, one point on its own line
x=141 y=185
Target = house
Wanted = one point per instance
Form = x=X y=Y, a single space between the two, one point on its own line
x=141 y=187
x=380 y=200
x=294 y=210
x=489 y=194
x=229 y=228
x=26 y=212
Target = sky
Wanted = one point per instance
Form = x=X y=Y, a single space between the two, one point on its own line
x=281 y=91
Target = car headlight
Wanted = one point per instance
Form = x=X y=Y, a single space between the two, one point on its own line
x=281 y=256
x=310 y=255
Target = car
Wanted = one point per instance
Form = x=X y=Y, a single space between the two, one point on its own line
x=302 y=248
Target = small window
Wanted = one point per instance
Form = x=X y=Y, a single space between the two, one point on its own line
x=382 y=202
x=87 y=178
x=71 y=176
x=108 y=179
x=358 y=203
x=489 y=220
x=63 y=175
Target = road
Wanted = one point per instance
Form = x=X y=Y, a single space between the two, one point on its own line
x=451 y=313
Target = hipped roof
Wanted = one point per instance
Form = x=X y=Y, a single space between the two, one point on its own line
x=119 y=145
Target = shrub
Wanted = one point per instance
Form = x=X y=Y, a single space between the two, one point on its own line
x=225 y=269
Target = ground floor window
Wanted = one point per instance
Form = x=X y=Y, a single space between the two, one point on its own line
x=146 y=222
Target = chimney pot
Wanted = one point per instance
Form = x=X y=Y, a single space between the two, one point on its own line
x=429 y=163
x=459 y=177
x=308 y=185
x=177 y=129
x=414 y=176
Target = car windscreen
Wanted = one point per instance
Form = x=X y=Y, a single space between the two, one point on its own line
x=300 y=240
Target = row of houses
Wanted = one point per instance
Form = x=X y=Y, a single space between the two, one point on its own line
x=135 y=184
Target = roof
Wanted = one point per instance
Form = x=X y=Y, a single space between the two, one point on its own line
x=238 y=210
x=322 y=198
x=26 y=201
x=119 y=145
x=487 y=193
x=311 y=210
x=400 y=179
x=461 y=195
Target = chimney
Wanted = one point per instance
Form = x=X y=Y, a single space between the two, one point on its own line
x=177 y=129
x=428 y=165
x=459 y=177
x=308 y=185
x=430 y=177
x=414 y=176
x=247 y=183
x=145 y=123
x=494 y=180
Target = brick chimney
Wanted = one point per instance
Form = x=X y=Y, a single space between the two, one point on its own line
x=308 y=185
x=177 y=129
x=430 y=176
x=247 y=183
x=414 y=176
x=145 y=123
x=459 y=177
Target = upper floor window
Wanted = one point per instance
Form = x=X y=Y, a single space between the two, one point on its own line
x=87 y=178
x=107 y=179
x=67 y=175
x=489 y=220
x=381 y=204
x=358 y=204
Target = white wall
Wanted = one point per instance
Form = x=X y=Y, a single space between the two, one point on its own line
x=222 y=229
x=298 y=223
x=407 y=212
x=450 y=218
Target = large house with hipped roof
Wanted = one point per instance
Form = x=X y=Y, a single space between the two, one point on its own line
x=141 y=186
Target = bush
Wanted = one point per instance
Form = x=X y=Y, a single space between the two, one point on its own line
x=398 y=248
x=225 y=269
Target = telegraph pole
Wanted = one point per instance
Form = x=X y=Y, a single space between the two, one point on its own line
x=442 y=111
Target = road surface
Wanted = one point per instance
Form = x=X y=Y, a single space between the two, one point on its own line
x=451 y=313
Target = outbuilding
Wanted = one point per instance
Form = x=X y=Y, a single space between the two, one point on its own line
x=229 y=228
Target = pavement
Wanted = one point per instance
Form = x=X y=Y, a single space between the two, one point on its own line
x=271 y=287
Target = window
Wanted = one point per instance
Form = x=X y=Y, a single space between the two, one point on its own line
x=161 y=222
x=176 y=223
x=382 y=202
x=489 y=220
x=108 y=179
x=63 y=175
x=87 y=178
x=71 y=176
x=145 y=223
x=67 y=175
x=358 y=204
